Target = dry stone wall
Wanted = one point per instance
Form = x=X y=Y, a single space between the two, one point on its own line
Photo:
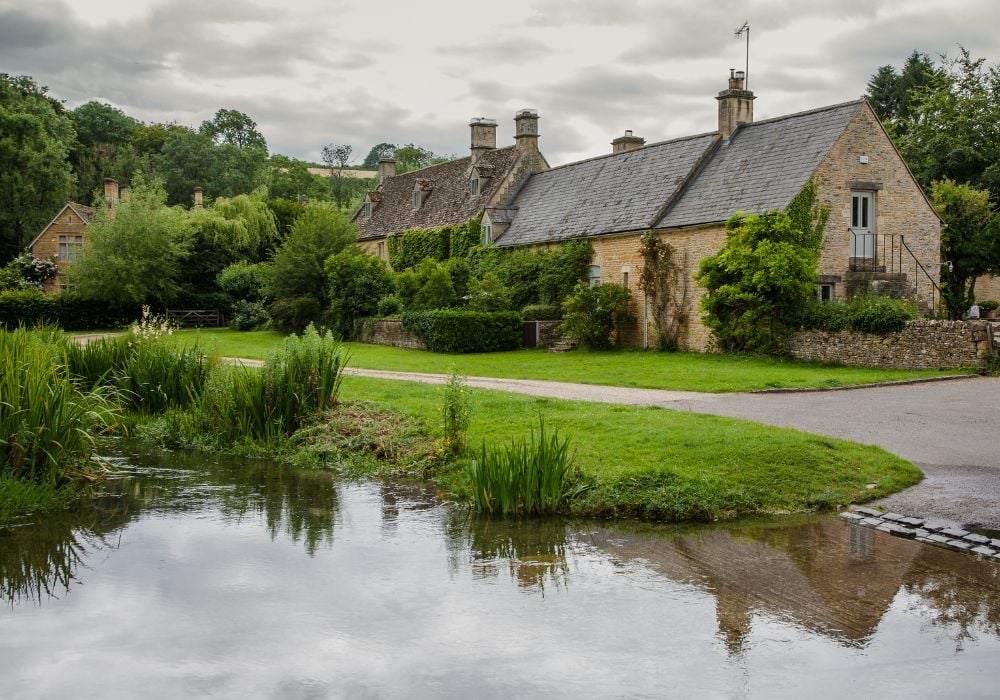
x=389 y=331
x=922 y=344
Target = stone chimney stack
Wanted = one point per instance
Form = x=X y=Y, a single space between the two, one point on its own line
x=111 y=191
x=628 y=142
x=526 y=130
x=484 y=136
x=735 y=104
x=386 y=168
x=199 y=198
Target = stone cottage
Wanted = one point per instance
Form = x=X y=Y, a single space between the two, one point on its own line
x=65 y=236
x=882 y=229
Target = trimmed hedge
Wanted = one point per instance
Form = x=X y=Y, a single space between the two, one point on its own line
x=69 y=311
x=541 y=312
x=864 y=313
x=447 y=330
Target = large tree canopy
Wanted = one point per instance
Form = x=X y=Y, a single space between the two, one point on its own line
x=35 y=176
x=234 y=128
x=135 y=255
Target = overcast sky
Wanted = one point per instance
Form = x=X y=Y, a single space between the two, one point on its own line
x=312 y=72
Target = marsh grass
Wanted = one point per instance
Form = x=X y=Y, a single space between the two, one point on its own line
x=526 y=477
x=47 y=424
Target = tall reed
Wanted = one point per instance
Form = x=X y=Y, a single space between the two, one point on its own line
x=528 y=476
x=297 y=381
x=46 y=423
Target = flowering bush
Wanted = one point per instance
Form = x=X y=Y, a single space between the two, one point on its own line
x=151 y=326
x=26 y=272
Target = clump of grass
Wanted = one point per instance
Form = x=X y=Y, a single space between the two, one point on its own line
x=528 y=476
x=19 y=498
x=456 y=414
x=46 y=423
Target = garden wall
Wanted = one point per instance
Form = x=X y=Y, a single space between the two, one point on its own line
x=388 y=331
x=922 y=344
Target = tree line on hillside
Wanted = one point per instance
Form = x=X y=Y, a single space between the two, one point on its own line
x=49 y=154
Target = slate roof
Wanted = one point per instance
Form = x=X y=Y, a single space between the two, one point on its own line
x=449 y=202
x=762 y=167
x=616 y=192
x=683 y=182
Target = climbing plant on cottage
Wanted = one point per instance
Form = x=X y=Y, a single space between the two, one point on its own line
x=765 y=271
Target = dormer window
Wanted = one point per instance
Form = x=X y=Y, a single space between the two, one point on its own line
x=474 y=186
x=487 y=234
x=421 y=191
x=366 y=209
x=372 y=198
x=479 y=179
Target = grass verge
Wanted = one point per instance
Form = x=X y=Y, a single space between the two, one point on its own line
x=656 y=464
x=680 y=371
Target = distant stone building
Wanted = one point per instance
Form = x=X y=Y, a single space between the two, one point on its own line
x=64 y=238
x=882 y=230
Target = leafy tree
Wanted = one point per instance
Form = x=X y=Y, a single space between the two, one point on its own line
x=290 y=179
x=103 y=148
x=234 y=128
x=190 y=160
x=241 y=228
x=437 y=291
x=297 y=266
x=100 y=123
x=356 y=283
x=336 y=156
x=35 y=177
x=244 y=281
x=953 y=127
x=410 y=157
x=285 y=213
x=149 y=139
x=970 y=241
x=137 y=254
x=593 y=314
x=893 y=95
x=377 y=152
x=764 y=272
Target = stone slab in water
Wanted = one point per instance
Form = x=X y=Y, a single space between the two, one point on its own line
x=870 y=512
x=954 y=532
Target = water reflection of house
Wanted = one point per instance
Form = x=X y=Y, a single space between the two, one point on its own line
x=818 y=575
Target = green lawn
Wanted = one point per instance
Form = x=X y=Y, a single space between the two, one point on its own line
x=668 y=465
x=647 y=369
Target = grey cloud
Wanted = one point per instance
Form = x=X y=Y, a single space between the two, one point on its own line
x=514 y=49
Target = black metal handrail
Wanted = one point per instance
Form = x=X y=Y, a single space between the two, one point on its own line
x=917 y=265
x=886 y=253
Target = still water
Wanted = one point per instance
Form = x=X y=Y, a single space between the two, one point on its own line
x=195 y=577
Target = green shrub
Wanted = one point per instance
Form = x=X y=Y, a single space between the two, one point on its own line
x=437 y=290
x=879 y=315
x=450 y=330
x=527 y=477
x=489 y=294
x=460 y=273
x=69 y=311
x=248 y=315
x=989 y=305
x=293 y=314
x=546 y=276
x=825 y=316
x=541 y=312
x=593 y=314
x=465 y=238
x=356 y=283
x=243 y=280
x=389 y=305
x=416 y=245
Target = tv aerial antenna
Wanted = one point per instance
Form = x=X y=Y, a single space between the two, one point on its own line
x=745 y=29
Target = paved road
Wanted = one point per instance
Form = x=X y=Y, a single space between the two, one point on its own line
x=950 y=429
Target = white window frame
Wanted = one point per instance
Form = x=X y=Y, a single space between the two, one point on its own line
x=474 y=186
x=366 y=210
x=594 y=276
x=487 y=234
x=70 y=247
x=418 y=199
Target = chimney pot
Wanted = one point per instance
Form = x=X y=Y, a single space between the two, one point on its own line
x=483 y=136
x=111 y=191
x=628 y=142
x=735 y=104
x=526 y=129
x=386 y=168
x=199 y=198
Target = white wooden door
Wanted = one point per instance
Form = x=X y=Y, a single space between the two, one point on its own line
x=862 y=210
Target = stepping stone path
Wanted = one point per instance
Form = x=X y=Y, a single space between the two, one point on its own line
x=920 y=530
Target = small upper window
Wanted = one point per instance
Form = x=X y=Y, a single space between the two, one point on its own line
x=69 y=219
x=474 y=186
x=824 y=292
x=487 y=234
x=417 y=199
x=594 y=275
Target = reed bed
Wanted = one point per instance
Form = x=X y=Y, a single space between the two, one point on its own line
x=47 y=423
x=527 y=477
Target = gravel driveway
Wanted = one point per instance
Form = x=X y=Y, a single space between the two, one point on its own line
x=950 y=429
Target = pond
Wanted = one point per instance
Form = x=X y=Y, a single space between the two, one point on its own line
x=197 y=577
